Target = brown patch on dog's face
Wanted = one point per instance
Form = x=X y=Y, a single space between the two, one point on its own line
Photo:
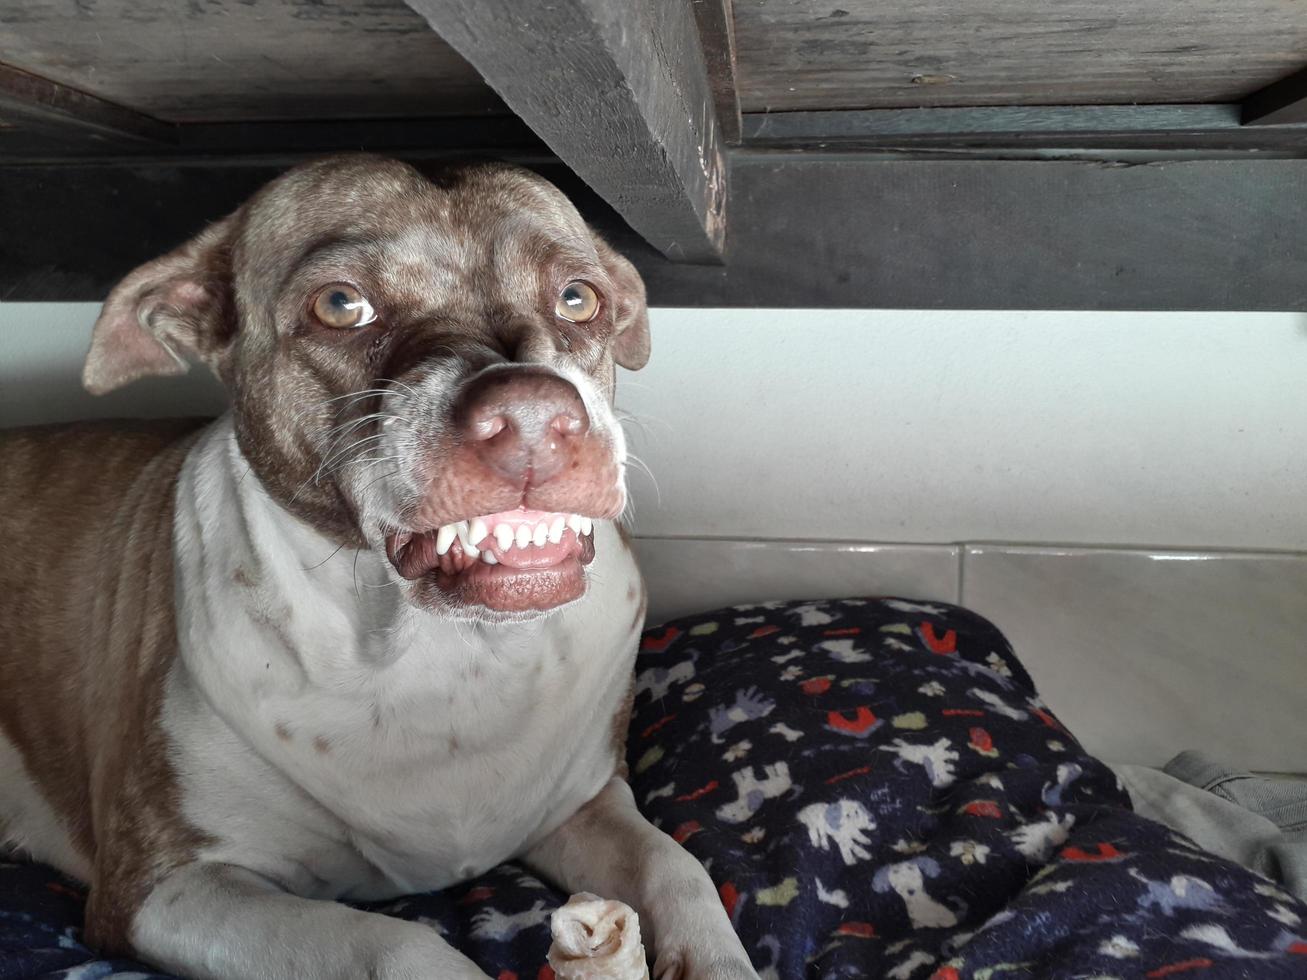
x=353 y=308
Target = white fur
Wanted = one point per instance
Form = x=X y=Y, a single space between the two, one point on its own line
x=489 y=736
x=27 y=821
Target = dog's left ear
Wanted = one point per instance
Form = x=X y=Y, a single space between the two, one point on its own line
x=177 y=305
x=630 y=314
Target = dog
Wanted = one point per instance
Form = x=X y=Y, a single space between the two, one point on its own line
x=371 y=632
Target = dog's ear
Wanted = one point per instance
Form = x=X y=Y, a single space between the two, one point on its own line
x=177 y=305
x=630 y=314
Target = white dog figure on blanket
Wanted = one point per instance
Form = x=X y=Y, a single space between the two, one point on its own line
x=844 y=823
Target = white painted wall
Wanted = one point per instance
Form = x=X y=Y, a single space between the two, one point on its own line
x=1176 y=429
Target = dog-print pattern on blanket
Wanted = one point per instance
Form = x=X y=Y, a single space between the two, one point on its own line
x=877 y=791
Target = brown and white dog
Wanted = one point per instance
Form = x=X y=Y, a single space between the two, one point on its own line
x=371 y=632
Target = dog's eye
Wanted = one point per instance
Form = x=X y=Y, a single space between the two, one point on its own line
x=577 y=302
x=342 y=306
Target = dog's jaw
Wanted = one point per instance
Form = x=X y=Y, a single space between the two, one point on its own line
x=519 y=561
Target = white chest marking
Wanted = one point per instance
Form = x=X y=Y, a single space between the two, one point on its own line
x=347 y=743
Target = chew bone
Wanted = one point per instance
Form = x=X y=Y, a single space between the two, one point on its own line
x=596 y=939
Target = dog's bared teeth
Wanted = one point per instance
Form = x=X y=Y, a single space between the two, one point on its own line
x=556 y=528
x=504 y=536
x=523 y=535
x=477 y=531
x=541 y=534
x=574 y=522
x=489 y=558
x=445 y=537
x=587 y=525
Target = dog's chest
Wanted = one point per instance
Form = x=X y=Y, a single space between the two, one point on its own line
x=427 y=772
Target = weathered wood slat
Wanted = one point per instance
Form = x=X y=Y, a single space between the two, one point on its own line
x=1045 y=129
x=226 y=60
x=34 y=103
x=1281 y=102
x=837 y=230
x=620 y=92
x=870 y=54
x=716 y=22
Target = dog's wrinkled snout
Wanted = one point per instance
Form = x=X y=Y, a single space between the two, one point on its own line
x=523 y=423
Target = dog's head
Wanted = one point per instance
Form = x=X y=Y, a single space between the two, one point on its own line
x=421 y=368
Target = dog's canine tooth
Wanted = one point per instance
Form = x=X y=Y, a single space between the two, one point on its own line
x=541 y=534
x=574 y=522
x=444 y=538
x=556 y=528
x=477 y=531
x=523 y=535
x=587 y=525
x=504 y=536
x=489 y=558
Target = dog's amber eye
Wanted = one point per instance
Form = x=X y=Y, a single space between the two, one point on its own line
x=342 y=306
x=577 y=302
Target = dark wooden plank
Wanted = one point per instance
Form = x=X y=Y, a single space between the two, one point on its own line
x=226 y=60
x=716 y=21
x=1017 y=128
x=838 y=230
x=620 y=92
x=870 y=54
x=42 y=104
x=1281 y=102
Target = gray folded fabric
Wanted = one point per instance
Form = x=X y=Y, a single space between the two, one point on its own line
x=1255 y=821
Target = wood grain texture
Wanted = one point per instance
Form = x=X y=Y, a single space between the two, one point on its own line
x=851 y=54
x=620 y=92
x=811 y=231
x=218 y=60
x=1035 y=130
x=716 y=22
x=27 y=96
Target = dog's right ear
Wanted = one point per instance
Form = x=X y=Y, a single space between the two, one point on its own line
x=177 y=305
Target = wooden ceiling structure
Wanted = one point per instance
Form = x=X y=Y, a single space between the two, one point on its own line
x=1094 y=154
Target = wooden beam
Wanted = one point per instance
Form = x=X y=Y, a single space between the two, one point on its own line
x=620 y=92
x=1041 y=129
x=812 y=230
x=1281 y=102
x=716 y=20
x=47 y=104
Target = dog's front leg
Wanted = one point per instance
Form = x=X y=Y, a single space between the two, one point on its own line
x=609 y=848
x=221 y=922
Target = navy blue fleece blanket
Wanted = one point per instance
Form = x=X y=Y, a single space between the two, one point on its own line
x=878 y=791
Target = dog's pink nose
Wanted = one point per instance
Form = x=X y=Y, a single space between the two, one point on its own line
x=524 y=423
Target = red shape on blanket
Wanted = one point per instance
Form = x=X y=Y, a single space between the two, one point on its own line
x=946 y=973
x=762 y=631
x=686 y=830
x=948 y=643
x=816 y=685
x=696 y=793
x=478 y=894
x=983 y=808
x=862 y=930
x=730 y=897
x=1101 y=852
x=1201 y=963
x=658 y=644
x=546 y=973
x=839 y=778
x=859 y=724
x=657 y=725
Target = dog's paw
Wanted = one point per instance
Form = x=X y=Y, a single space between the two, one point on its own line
x=702 y=966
